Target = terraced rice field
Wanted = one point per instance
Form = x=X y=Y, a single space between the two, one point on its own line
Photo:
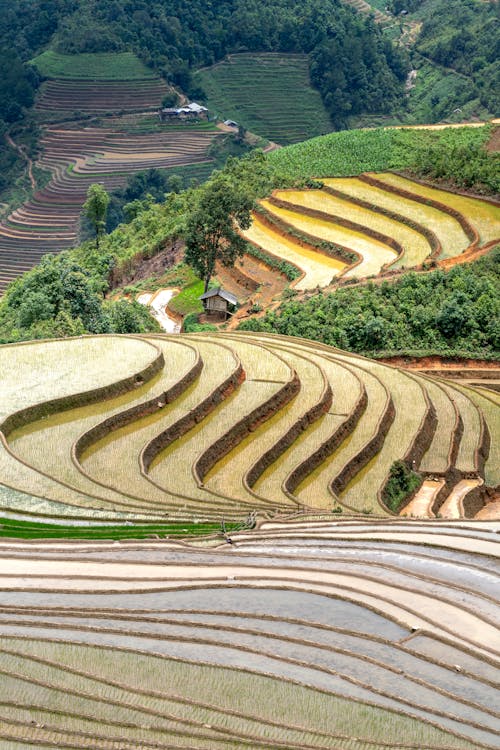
x=358 y=635
x=310 y=630
x=482 y=215
x=213 y=426
x=78 y=157
x=384 y=220
x=63 y=96
x=111 y=87
x=269 y=94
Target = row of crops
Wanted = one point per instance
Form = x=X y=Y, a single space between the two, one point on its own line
x=302 y=634
x=220 y=426
x=269 y=94
x=382 y=220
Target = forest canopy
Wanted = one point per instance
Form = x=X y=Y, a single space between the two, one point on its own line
x=351 y=60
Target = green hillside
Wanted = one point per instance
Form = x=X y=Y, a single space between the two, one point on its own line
x=97 y=66
x=269 y=94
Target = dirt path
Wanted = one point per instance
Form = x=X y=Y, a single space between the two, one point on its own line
x=420 y=506
x=490 y=512
x=453 y=505
x=24 y=156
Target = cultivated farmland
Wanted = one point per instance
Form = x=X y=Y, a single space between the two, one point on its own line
x=362 y=635
x=221 y=425
x=119 y=89
x=311 y=630
x=269 y=94
x=78 y=157
x=359 y=227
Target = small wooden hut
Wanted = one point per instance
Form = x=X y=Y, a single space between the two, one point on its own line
x=218 y=301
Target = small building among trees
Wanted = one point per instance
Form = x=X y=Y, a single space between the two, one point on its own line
x=218 y=301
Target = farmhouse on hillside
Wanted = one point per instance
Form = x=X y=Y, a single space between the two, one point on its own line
x=218 y=301
x=191 y=111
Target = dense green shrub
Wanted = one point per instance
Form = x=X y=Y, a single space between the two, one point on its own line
x=455 y=312
x=60 y=298
x=401 y=483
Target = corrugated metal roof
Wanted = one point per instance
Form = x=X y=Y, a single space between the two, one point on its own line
x=218 y=292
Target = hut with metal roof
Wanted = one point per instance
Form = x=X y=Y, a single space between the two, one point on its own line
x=218 y=301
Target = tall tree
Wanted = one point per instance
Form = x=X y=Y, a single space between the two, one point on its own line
x=212 y=227
x=95 y=209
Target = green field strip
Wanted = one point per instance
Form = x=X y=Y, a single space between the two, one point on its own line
x=415 y=245
x=266 y=374
x=230 y=475
x=375 y=254
x=346 y=389
x=10 y=528
x=448 y=230
x=319 y=269
x=102 y=65
x=491 y=415
x=438 y=455
x=227 y=689
x=484 y=216
x=34 y=443
x=122 y=448
x=467 y=457
x=361 y=491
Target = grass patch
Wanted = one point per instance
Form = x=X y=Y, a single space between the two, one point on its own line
x=34 y=530
x=187 y=301
x=191 y=324
x=269 y=94
x=141 y=124
x=105 y=66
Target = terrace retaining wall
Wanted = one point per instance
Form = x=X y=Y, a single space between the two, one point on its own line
x=245 y=426
x=135 y=412
x=341 y=221
x=327 y=448
x=371 y=448
x=74 y=400
x=191 y=419
x=287 y=440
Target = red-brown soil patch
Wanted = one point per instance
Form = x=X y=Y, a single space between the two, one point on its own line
x=253 y=283
x=440 y=363
x=145 y=268
x=494 y=142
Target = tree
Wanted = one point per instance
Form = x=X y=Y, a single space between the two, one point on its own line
x=95 y=209
x=212 y=227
